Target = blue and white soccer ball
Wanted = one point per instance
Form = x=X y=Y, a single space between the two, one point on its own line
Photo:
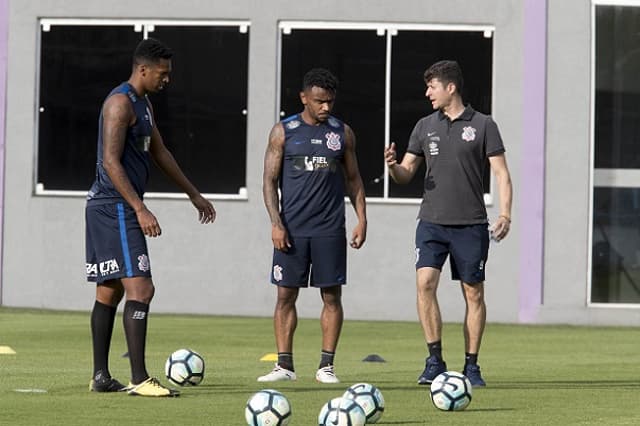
x=341 y=412
x=451 y=391
x=184 y=367
x=268 y=407
x=369 y=398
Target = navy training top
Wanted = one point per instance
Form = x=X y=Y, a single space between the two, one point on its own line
x=311 y=180
x=135 y=156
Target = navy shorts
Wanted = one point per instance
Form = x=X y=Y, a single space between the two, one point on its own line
x=115 y=245
x=468 y=246
x=319 y=261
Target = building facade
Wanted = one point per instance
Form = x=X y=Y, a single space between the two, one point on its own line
x=558 y=76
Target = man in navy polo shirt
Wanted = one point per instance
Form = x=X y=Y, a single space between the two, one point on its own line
x=455 y=141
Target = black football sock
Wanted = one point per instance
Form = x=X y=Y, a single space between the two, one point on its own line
x=435 y=349
x=135 y=330
x=326 y=358
x=102 y=319
x=470 y=359
x=285 y=360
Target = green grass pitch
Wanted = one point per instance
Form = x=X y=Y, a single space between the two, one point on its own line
x=536 y=375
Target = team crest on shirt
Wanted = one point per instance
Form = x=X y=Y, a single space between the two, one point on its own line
x=143 y=262
x=293 y=124
x=333 y=122
x=468 y=133
x=277 y=272
x=333 y=141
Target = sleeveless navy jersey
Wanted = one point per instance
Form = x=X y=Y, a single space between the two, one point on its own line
x=311 y=181
x=135 y=156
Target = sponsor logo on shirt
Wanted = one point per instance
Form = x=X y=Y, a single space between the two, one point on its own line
x=316 y=141
x=433 y=148
x=333 y=141
x=468 y=134
x=315 y=163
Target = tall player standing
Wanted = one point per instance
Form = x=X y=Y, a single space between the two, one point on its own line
x=117 y=219
x=311 y=158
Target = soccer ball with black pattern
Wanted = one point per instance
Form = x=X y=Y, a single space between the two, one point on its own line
x=341 y=412
x=369 y=398
x=451 y=391
x=268 y=407
x=184 y=367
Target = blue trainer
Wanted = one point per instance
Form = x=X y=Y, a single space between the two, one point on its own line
x=472 y=371
x=433 y=367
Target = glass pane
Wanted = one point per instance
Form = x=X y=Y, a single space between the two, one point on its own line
x=616 y=246
x=202 y=113
x=79 y=65
x=412 y=53
x=617 y=118
x=357 y=58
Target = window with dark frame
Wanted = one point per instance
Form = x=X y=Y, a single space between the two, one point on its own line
x=412 y=53
x=358 y=58
x=201 y=115
x=615 y=257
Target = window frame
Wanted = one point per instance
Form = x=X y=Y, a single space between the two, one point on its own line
x=602 y=177
x=145 y=27
x=387 y=30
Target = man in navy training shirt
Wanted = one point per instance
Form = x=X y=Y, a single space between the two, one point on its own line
x=117 y=219
x=311 y=159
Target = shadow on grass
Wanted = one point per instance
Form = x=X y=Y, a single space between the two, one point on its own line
x=566 y=384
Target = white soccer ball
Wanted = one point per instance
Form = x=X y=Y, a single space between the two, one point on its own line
x=451 y=391
x=369 y=398
x=341 y=412
x=268 y=407
x=184 y=367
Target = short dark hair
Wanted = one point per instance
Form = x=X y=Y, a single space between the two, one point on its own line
x=151 y=50
x=446 y=71
x=320 y=77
